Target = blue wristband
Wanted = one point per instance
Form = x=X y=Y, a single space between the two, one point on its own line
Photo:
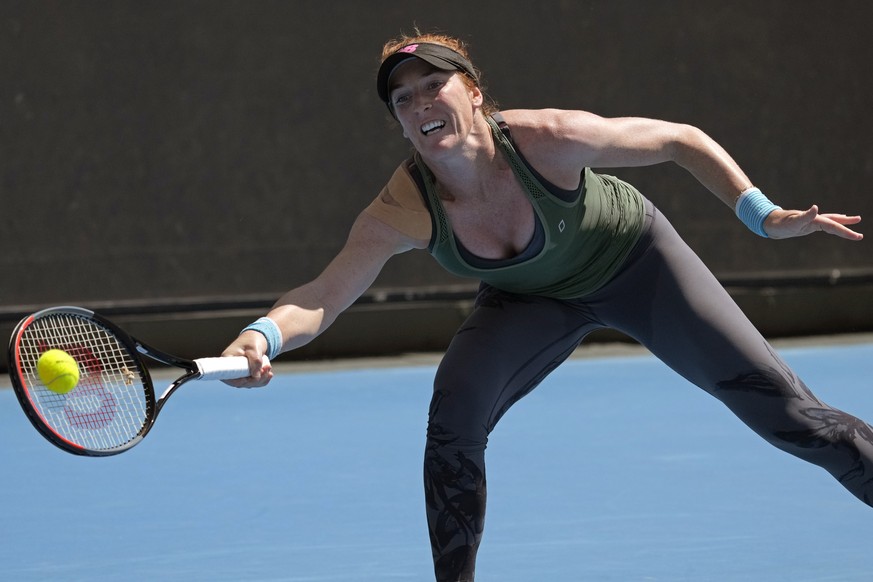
x=753 y=208
x=270 y=330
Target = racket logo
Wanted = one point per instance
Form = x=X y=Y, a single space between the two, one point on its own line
x=90 y=407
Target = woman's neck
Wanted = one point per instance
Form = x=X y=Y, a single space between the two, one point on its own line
x=465 y=172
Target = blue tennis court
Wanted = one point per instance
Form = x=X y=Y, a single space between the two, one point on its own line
x=318 y=478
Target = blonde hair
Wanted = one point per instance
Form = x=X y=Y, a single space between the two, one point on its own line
x=489 y=106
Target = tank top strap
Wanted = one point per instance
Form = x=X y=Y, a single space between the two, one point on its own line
x=532 y=185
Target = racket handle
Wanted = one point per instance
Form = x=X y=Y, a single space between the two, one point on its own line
x=229 y=368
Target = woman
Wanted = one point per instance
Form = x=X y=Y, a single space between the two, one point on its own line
x=509 y=198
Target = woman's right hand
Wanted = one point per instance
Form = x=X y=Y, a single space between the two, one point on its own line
x=252 y=345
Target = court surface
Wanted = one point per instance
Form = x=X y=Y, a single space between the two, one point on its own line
x=318 y=478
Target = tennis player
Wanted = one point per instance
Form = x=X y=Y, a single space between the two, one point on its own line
x=508 y=198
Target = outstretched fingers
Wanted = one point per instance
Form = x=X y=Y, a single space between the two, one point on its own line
x=793 y=223
x=837 y=224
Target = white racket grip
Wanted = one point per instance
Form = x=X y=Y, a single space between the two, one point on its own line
x=227 y=368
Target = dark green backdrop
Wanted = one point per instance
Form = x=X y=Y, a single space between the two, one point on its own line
x=179 y=164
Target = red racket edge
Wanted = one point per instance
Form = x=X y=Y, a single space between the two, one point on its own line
x=23 y=395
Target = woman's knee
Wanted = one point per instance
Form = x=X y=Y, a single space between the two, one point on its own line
x=785 y=412
x=456 y=420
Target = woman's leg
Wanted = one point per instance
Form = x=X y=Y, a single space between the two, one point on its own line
x=670 y=302
x=505 y=348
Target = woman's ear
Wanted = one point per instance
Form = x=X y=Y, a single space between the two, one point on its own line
x=476 y=96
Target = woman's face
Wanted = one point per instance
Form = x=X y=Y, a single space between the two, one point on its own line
x=435 y=108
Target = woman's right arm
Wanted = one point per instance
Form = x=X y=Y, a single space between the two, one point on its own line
x=306 y=311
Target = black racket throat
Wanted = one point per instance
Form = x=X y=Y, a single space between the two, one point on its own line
x=192 y=372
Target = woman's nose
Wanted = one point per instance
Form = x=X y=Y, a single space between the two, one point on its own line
x=422 y=103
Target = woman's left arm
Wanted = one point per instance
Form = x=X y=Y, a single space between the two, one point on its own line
x=585 y=139
x=713 y=166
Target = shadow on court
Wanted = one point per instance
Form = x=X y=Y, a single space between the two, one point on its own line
x=614 y=469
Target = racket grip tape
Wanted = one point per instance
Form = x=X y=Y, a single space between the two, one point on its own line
x=225 y=368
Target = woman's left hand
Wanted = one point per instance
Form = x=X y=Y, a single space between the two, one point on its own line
x=791 y=223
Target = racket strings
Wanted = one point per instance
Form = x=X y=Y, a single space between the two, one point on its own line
x=109 y=406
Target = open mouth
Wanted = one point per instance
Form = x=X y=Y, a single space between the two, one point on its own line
x=432 y=127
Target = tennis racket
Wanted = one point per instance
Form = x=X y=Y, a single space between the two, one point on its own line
x=113 y=406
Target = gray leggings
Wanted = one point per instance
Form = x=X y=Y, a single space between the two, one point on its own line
x=667 y=300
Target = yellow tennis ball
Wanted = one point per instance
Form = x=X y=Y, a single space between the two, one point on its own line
x=58 y=371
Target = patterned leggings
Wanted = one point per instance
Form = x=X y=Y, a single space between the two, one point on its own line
x=667 y=300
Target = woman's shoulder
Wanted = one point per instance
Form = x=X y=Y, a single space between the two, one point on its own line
x=401 y=204
x=543 y=117
x=532 y=126
x=552 y=140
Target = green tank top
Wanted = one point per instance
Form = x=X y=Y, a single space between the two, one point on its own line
x=581 y=242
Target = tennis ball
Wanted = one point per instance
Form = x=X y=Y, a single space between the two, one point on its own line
x=58 y=371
